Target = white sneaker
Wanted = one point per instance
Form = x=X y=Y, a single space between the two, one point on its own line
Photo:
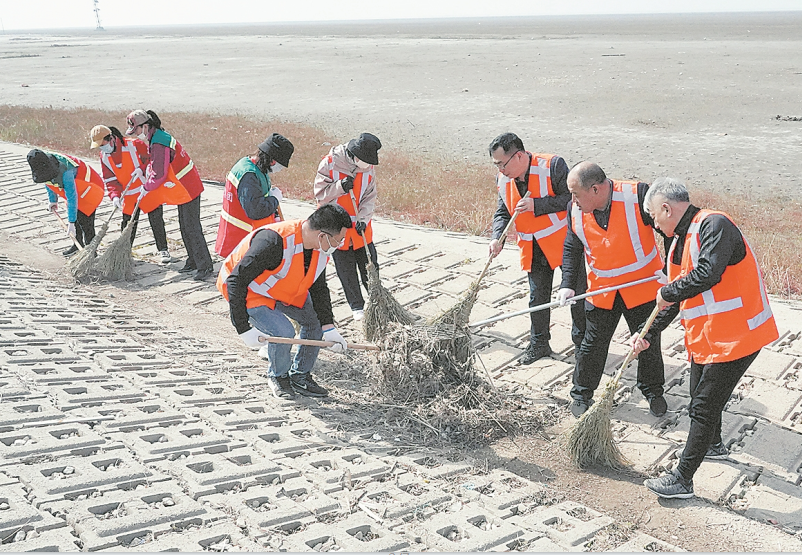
x=263 y=353
x=358 y=315
x=166 y=258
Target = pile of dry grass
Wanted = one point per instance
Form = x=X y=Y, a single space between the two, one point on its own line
x=117 y=262
x=382 y=308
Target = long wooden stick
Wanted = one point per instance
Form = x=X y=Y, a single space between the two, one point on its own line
x=122 y=199
x=554 y=304
x=631 y=354
x=314 y=343
x=503 y=238
x=356 y=213
x=74 y=240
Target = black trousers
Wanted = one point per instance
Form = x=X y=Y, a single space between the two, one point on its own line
x=156 y=218
x=347 y=262
x=592 y=354
x=84 y=228
x=192 y=235
x=541 y=278
x=711 y=388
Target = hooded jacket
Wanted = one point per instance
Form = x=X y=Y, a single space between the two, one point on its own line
x=327 y=190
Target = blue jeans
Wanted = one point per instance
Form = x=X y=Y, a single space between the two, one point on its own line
x=272 y=321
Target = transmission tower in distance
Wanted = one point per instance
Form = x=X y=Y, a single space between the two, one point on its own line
x=97 y=16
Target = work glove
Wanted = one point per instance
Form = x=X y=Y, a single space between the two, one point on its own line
x=52 y=206
x=347 y=183
x=138 y=175
x=564 y=295
x=71 y=230
x=662 y=278
x=340 y=345
x=142 y=193
x=251 y=338
x=118 y=204
x=360 y=227
x=275 y=192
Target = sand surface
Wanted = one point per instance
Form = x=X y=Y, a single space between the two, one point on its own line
x=692 y=96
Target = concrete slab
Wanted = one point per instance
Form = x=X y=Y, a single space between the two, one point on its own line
x=767 y=399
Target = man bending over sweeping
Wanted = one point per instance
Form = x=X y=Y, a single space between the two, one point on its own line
x=279 y=270
x=716 y=287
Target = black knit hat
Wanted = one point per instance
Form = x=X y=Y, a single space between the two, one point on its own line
x=365 y=147
x=44 y=166
x=279 y=148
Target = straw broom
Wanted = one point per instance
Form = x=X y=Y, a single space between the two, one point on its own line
x=116 y=263
x=590 y=439
x=81 y=264
x=381 y=307
x=74 y=240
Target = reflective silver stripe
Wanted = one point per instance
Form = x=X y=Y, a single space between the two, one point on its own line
x=322 y=260
x=765 y=314
x=635 y=266
x=186 y=170
x=557 y=224
x=579 y=229
x=236 y=222
x=353 y=219
x=233 y=179
x=541 y=170
x=131 y=150
x=711 y=306
x=86 y=191
x=289 y=251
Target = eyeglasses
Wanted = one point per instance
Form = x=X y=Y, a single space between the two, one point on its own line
x=330 y=236
x=504 y=165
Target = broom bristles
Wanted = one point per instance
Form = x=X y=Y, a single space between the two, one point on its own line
x=116 y=263
x=382 y=308
x=81 y=264
x=590 y=439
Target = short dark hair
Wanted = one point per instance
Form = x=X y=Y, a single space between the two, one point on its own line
x=154 y=119
x=330 y=218
x=507 y=141
x=116 y=133
x=588 y=174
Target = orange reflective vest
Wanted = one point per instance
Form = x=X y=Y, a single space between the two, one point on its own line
x=624 y=252
x=288 y=283
x=234 y=222
x=88 y=184
x=360 y=179
x=733 y=318
x=547 y=229
x=130 y=152
x=183 y=182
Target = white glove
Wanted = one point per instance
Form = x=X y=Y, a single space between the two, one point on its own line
x=52 y=206
x=340 y=345
x=564 y=295
x=71 y=230
x=276 y=192
x=138 y=175
x=142 y=193
x=662 y=279
x=251 y=338
x=117 y=203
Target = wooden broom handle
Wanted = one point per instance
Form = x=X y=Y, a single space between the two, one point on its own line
x=503 y=238
x=122 y=199
x=631 y=354
x=353 y=201
x=74 y=240
x=314 y=343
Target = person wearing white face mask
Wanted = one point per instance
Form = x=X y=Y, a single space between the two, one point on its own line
x=346 y=177
x=279 y=271
x=251 y=200
x=172 y=178
x=121 y=160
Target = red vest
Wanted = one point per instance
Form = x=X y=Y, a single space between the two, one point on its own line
x=733 y=318
x=624 y=252
x=548 y=230
x=288 y=283
x=360 y=179
x=88 y=184
x=131 y=152
x=234 y=222
x=183 y=182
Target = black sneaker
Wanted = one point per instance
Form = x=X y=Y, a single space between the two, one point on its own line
x=281 y=387
x=670 y=486
x=188 y=267
x=580 y=407
x=658 y=406
x=718 y=451
x=535 y=352
x=70 y=251
x=202 y=275
x=306 y=385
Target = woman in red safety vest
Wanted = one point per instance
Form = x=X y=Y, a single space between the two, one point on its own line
x=123 y=161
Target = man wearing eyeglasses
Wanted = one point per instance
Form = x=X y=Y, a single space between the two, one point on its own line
x=540 y=228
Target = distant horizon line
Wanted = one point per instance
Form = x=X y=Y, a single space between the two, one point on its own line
x=416 y=20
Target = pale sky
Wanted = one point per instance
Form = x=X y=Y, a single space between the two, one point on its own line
x=48 y=14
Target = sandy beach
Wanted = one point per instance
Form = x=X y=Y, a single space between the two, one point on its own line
x=692 y=96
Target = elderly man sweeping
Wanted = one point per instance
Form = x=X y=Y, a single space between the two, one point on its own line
x=279 y=270
x=716 y=287
x=609 y=225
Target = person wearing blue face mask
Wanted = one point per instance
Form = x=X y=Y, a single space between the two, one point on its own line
x=279 y=271
x=346 y=176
